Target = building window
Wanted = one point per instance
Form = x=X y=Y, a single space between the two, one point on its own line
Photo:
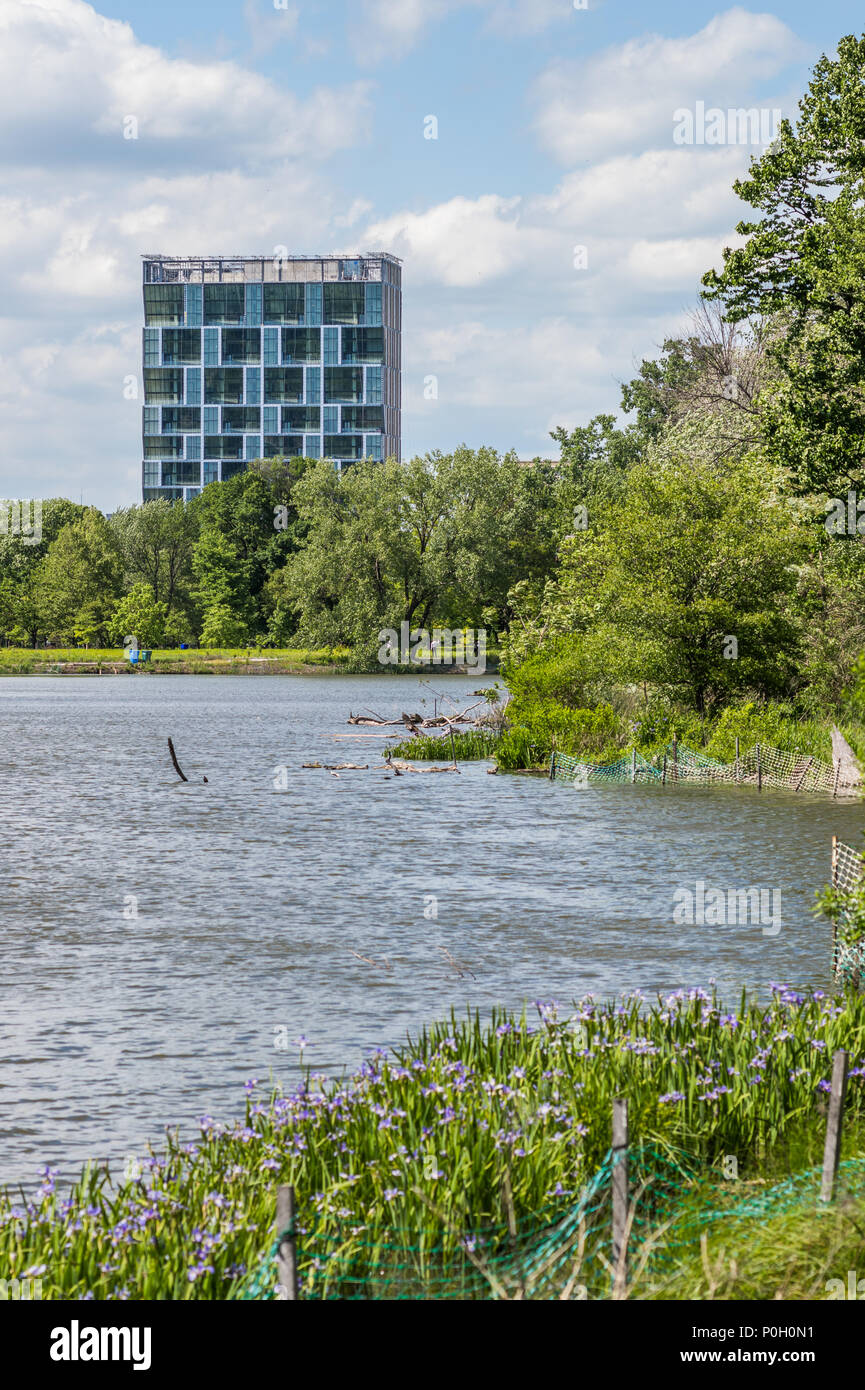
x=270 y=419
x=301 y=417
x=224 y=303
x=283 y=304
x=283 y=385
x=330 y=419
x=313 y=386
x=312 y=446
x=362 y=344
x=181 y=345
x=179 y=419
x=253 y=304
x=150 y=416
x=171 y=494
x=163 y=446
x=223 y=385
x=193 y=446
x=241 y=418
x=373 y=305
x=331 y=347
x=151 y=347
x=211 y=347
x=223 y=446
x=178 y=474
x=151 y=473
x=193 y=306
x=373 y=385
x=271 y=347
x=344 y=303
x=343 y=446
x=362 y=417
x=240 y=345
x=163 y=385
x=313 y=304
x=343 y=384
x=372 y=447
x=288 y=445
x=253 y=446
x=193 y=386
x=253 y=386
x=211 y=472
x=163 y=306
x=211 y=420
x=231 y=470
x=301 y=344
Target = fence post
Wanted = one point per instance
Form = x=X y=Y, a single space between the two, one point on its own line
x=834 y=920
x=837 y=762
x=737 y=757
x=619 y=1160
x=664 y=773
x=832 y=1150
x=759 y=770
x=633 y=764
x=286 y=1256
x=553 y=765
x=675 y=758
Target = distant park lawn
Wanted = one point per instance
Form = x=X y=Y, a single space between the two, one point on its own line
x=29 y=660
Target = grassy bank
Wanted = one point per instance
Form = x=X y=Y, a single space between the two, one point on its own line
x=425 y=1156
x=17 y=661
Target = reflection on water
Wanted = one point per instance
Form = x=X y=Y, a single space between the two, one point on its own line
x=163 y=941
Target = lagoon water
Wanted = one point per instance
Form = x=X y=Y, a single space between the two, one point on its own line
x=161 y=941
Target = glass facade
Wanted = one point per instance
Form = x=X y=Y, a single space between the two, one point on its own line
x=251 y=357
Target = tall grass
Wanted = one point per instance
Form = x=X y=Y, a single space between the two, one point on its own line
x=420 y=1145
x=468 y=745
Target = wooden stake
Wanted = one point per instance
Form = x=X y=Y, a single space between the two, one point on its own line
x=453 y=748
x=552 y=765
x=619 y=1159
x=759 y=770
x=832 y=1151
x=286 y=1258
x=664 y=772
x=633 y=764
x=737 y=757
x=837 y=778
x=675 y=758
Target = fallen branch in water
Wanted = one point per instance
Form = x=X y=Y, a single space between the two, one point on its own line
x=177 y=768
x=340 y=767
x=383 y=962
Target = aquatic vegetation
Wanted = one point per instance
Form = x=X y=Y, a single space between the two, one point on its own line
x=435 y=1141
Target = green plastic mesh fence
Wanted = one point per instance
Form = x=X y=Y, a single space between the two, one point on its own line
x=551 y=1256
x=848 y=957
x=761 y=765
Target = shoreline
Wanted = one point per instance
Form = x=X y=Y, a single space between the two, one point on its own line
x=202 y=666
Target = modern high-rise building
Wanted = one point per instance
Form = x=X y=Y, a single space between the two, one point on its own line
x=249 y=357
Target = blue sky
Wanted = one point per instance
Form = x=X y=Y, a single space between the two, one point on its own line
x=302 y=124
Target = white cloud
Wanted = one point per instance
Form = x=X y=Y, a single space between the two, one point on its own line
x=388 y=29
x=624 y=98
x=462 y=242
x=87 y=75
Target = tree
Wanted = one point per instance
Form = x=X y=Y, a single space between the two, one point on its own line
x=686 y=560
x=139 y=613
x=20 y=609
x=434 y=540
x=803 y=267
x=155 y=542
x=248 y=527
x=78 y=583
